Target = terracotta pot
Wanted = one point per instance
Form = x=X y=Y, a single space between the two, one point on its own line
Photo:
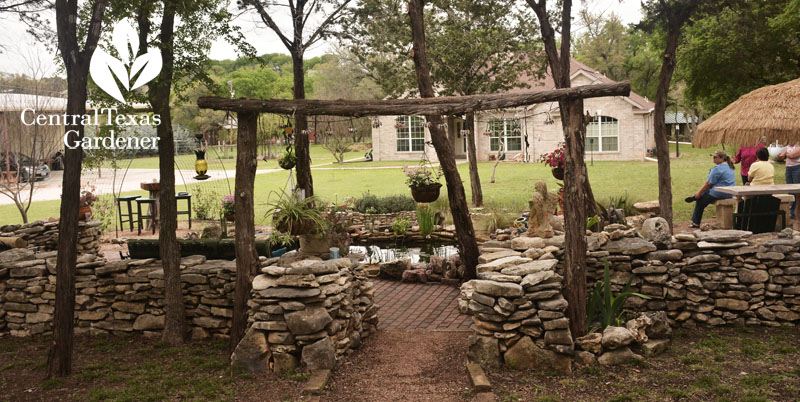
x=429 y=193
x=83 y=211
x=558 y=173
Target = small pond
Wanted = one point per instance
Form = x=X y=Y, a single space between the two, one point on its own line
x=418 y=253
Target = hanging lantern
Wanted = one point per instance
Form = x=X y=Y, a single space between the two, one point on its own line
x=201 y=165
x=328 y=129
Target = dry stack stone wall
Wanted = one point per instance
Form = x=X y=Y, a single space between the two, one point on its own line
x=308 y=312
x=43 y=236
x=718 y=277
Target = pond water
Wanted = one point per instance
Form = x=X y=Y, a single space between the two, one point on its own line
x=422 y=253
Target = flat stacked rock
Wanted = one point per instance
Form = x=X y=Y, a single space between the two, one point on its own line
x=43 y=236
x=308 y=312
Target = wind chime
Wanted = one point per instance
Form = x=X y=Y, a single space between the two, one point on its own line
x=289 y=159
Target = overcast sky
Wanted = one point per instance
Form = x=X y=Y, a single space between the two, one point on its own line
x=15 y=41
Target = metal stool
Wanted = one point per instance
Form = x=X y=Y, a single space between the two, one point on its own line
x=128 y=216
x=188 y=211
x=151 y=202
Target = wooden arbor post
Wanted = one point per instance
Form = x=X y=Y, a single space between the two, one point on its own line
x=246 y=255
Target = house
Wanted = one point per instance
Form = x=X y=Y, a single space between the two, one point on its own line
x=679 y=125
x=620 y=129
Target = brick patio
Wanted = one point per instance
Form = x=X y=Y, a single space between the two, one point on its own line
x=413 y=306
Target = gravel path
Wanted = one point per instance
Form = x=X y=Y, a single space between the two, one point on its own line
x=404 y=366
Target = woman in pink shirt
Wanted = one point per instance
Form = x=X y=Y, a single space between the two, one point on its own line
x=792 y=156
x=747 y=155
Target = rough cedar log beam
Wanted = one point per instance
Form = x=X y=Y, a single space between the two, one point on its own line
x=448 y=105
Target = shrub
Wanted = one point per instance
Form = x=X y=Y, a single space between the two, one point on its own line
x=384 y=205
x=206 y=204
x=400 y=226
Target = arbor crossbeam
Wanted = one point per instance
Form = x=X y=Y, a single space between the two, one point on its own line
x=449 y=105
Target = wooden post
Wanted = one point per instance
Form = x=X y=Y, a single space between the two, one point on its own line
x=246 y=255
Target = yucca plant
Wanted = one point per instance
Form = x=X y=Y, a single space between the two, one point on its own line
x=605 y=308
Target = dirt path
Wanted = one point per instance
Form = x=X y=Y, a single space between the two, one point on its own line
x=404 y=366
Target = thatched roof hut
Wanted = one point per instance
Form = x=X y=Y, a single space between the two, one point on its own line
x=772 y=112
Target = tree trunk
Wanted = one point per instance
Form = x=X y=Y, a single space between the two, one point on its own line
x=59 y=359
x=76 y=63
x=474 y=178
x=174 y=324
x=575 y=217
x=301 y=149
x=444 y=150
x=472 y=156
x=246 y=256
x=660 y=128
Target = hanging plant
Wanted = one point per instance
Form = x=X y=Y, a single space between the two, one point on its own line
x=288 y=160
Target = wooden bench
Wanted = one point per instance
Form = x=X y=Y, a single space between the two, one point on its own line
x=786 y=203
x=725 y=209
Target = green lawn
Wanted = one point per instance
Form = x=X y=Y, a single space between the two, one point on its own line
x=511 y=191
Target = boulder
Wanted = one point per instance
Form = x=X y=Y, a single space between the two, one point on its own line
x=530 y=267
x=414 y=276
x=591 y=343
x=659 y=328
x=665 y=255
x=484 y=258
x=656 y=230
x=536 y=278
x=647 y=207
x=252 y=353
x=722 y=235
x=308 y=321
x=526 y=355
x=319 y=355
x=437 y=265
x=262 y=282
x=616 y=337
x=393 y=270
x=618 y=356
x=731 y=304
x=500 y=263
x=655 y=347
x=638 y=326
x=282 y=361
x=484 y=350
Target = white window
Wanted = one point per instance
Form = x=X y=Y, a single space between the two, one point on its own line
x=410 y=132
x=602 y=134
x=506 y=130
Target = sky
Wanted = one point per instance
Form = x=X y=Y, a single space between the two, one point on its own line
x=18 y=48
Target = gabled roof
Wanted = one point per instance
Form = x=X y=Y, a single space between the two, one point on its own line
x=639 y=103
x=677 y=118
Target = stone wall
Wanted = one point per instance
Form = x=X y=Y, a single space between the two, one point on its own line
x=310 y=311
x=113 y=297
x=719 y=277
x=43 y=236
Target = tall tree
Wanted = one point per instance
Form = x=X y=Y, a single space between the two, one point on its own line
x=578 y=195
x=744 y=46
x=671 y=15
x=76 y=63
x=475 y=47
x=296 y=42
x=455 y=188
x=603 y=44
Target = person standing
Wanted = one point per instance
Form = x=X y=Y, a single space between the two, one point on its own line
x=792 y=156
x=747 y=156
x=762 y=173
x=721 y=175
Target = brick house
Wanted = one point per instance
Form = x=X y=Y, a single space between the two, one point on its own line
x=621 y=127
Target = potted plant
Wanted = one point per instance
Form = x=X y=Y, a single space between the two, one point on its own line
x=288 y=159
x=229 y=208
x=556 y=160
x=338 y=220
x=86 y=201
x=294 y=215
x=279 y=243
x=424 y=182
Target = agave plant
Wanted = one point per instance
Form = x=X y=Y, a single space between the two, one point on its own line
x=603 y=306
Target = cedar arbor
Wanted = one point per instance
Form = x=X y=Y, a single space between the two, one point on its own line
x=432 y=108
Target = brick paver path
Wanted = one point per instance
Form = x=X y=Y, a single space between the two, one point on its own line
x=413 y=306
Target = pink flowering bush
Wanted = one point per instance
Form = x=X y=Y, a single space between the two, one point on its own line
x=556 y=158
x=228 y=205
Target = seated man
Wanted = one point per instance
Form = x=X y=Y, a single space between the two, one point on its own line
x=721 y=175
x=762 y=173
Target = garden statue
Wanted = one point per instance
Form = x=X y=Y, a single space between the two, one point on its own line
x=543 y=204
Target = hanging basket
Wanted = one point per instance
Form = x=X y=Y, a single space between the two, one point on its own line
x=558 y=173
x=429 y=193
x=286 y=163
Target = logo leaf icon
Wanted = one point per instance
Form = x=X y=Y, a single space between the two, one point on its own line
x=105 y=67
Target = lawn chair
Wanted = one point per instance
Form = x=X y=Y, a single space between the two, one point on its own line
x=758 y=214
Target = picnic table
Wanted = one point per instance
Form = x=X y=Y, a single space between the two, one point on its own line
x=744 y=191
